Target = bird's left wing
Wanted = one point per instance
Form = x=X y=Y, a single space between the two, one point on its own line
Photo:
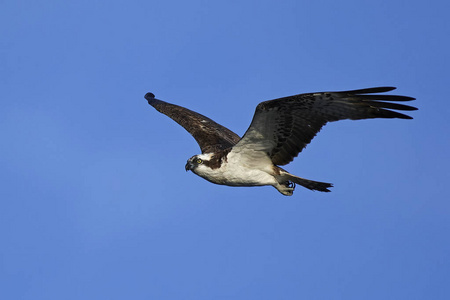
x=283 y=127
x=209 y=135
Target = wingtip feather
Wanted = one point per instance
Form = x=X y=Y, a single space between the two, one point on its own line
x=149 y=96
x=381 y=89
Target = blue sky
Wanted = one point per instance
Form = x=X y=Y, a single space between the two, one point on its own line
x=95 y=200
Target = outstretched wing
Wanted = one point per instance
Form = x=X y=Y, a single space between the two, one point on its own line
x=283 y=127
x=209 y=135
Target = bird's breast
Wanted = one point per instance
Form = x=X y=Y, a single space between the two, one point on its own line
x=236 y=172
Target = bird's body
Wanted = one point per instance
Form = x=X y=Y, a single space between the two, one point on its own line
x=280 y=129
x=234 y=170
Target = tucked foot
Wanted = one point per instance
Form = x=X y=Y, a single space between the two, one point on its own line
x=287 y=188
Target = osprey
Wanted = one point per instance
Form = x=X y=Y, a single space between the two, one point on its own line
x=279 y=131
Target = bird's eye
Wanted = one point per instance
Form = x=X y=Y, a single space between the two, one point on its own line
x=199 y=161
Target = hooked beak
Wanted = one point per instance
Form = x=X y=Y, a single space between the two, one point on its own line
x=188 y=166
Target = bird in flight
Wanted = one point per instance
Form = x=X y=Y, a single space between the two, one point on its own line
x=280 y=130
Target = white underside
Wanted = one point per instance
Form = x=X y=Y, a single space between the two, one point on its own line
x=241 y=170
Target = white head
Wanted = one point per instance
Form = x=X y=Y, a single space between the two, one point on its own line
x=198 y=161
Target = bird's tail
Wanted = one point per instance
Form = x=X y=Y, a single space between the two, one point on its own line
x=286 y=178
x=311 y=184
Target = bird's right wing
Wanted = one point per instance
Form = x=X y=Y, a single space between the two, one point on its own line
x=209 y=135
x=281 y=128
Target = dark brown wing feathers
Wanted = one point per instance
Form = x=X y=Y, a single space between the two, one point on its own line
x=292 y=122
x=209 y=135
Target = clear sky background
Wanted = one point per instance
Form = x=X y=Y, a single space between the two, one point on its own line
x=96 y=204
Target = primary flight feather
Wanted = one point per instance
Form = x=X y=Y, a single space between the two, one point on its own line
x=280 y=130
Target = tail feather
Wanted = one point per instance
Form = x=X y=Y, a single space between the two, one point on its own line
x=285 y=176
x=311 y=184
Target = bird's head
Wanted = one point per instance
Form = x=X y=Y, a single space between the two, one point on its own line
x=197 y=162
